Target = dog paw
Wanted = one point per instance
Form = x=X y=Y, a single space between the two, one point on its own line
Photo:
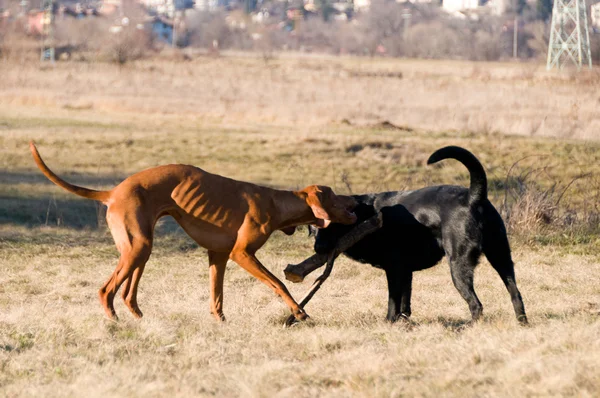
x=301 y=315
x=219 y=316
x=295 y=318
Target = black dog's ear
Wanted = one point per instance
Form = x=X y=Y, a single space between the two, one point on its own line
x=312 y=230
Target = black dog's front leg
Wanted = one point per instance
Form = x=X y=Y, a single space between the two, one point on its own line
x=406 y=293
x=399 y=292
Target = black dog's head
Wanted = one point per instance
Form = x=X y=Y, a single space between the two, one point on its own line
x=327 y=238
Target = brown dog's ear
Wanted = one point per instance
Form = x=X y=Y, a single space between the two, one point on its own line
x=316 y=199
x=319 y=211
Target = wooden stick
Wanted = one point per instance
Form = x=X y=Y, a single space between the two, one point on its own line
x=297 y=272
x=347 y=241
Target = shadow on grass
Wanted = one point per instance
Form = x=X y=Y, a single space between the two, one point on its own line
x=454 y=324
x=169 y=238
x=83 y=179
x=34 y=209
x=74 y=221
x=35 y=212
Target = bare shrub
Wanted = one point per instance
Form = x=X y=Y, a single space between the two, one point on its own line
x=205 y=29
x=128 y=45
x=538 y=38
x=530 y=208
x=86 y=34
x=354 y=38
x=317 y=35
x=431 y=34
x=595 y=47
x=443 y=44
x=15 y=45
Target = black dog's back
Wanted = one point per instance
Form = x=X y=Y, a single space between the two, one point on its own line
x=401 y=240
x=411 y=236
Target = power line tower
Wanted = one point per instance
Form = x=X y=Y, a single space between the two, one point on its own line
x=569 y=35
x=47 y=31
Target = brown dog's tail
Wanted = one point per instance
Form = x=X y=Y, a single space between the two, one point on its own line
x=101 y=196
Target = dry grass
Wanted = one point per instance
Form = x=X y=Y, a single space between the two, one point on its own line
x=55 y=342
x=95 y=125
x=434 y=95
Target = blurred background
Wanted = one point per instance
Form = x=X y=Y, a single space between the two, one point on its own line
x=122 y=30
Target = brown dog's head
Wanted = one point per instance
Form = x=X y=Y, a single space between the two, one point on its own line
x=328 y=207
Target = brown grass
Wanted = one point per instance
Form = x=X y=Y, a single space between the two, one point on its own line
x=95 y=124
x=515 y=98
x=55 y=342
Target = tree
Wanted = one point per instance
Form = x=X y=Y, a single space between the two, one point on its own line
x=544 y=9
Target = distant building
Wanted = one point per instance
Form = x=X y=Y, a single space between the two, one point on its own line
x=496 y=7
x=453 y=6
x=167 y=7
x=364 y=5
x=109 y=7
x=207 y=5
x=595 y=14
x=35 y=22
x=499 y=7
x=162 y=28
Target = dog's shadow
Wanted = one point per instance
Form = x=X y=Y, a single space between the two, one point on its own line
x=456 y=325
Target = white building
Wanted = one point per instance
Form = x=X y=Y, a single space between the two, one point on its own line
x=595 y=14
x=453 y=6
x=364 y=5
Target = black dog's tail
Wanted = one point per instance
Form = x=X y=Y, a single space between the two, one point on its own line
x=478 y=188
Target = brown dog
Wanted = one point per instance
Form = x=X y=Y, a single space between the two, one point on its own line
x=232 y=219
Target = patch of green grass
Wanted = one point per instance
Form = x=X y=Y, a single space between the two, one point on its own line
x=582 y=242
x=20 y=123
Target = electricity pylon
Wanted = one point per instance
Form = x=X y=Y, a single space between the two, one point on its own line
x=569 y=35
x=47 y=31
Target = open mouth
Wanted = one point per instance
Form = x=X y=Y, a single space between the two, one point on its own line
x=351 y=216
x=321 y=223
x=347 y=217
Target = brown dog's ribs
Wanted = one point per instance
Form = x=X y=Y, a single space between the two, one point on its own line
x=297 y=272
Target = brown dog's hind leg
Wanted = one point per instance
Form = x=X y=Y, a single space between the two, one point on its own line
x=106 y=300
x=126 y=288
x=130 y=261
x=130 y=295
x=134 y=242
x=216 y=273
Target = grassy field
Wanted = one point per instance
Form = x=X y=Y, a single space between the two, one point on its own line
x=95 y=124
x=518 y=98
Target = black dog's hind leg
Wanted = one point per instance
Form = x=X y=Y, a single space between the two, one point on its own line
x=462 y=269
x=497 y=251
x=399 y=292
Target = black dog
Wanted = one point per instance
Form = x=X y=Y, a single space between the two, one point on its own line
x=420 y=227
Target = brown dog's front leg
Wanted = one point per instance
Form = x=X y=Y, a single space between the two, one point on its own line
x=216 y=273
x=251 y=264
